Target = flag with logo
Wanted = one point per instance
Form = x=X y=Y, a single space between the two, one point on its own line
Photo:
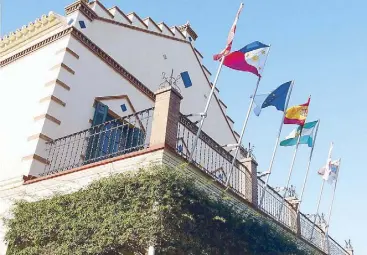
x=307 y=133
x=297 y=114
x=231 y=34
x=250 y=58
x=330 y=172
x=276 y=98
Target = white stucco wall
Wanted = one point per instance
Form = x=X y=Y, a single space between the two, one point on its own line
x=93 y=78
x=139 y=52
x=22 y=86
x=142 y=53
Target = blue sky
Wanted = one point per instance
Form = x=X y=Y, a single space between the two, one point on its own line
x=319 y=44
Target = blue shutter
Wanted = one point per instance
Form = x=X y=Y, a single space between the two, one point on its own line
x=100 y=114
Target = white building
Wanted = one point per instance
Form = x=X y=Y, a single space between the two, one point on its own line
x=63 y=77
x=59 y=65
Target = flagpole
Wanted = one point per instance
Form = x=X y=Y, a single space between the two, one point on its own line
x=224 y=53
x=322 y=189
x=238 y=145
x=330 y=210
x=308 y=168
x=276 y=144
x=204 y=114
x=290 y=174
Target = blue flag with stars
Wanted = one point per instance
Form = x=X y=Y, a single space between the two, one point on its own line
x=275 y=98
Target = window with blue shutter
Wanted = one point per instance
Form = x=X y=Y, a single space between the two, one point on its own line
x=114 y=137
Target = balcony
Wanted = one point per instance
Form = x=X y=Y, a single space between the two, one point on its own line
x=164 y=124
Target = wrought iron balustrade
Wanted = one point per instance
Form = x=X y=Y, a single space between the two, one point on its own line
x=211 y=158
x=107 y=140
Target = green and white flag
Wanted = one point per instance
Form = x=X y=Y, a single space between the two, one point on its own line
x=307 y=136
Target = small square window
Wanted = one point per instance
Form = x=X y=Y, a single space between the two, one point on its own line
x=82 y=24
x=123 y=108
x=70 y=22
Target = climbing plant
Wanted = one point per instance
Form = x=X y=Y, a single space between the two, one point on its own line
x=125 y=213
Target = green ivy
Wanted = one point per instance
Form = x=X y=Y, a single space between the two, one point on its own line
x=125 y=213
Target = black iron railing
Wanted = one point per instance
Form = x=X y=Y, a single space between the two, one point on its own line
x=107 y=140
x=213 y=159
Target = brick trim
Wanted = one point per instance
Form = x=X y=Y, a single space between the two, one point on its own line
x=230 y=119
x=49 y=117
x=83 y=8
x=36 y=157
x=57 y=82
x=122 y=13
x=64 y=66
x=206 y=69
x=165 y=25
x=211 y=86
x=99 y=163
x=155 y=24
x=144 y=30
x=179 y=31
x=54 y=99
x=39 y=136
x=201 y=55
x=67 y=68
x=220 y=101
x=103 y=7
x=68 y=50
x=137 y=16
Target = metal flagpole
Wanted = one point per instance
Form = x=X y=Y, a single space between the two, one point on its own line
x=322 y=189
x=290 y=174
x=330 y=210
x=204 y=114
x=223 y=55
x=308 y=167
x=238 y=145
x=318 y=207
x=276 y=145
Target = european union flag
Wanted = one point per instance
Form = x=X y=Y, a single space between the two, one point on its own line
x=275 y=98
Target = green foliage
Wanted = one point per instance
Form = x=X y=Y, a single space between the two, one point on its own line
x=129 y=212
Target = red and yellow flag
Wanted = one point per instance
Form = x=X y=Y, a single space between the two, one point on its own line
x=297 y=114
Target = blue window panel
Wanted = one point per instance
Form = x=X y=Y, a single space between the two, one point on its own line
x=82 y=24
x=123 y=108
x=186 y=79
x=180 y=148
x=70 y=22
x=100 y=114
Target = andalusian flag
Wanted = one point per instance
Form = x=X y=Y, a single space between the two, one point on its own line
x=297 y=114
x=307 y=135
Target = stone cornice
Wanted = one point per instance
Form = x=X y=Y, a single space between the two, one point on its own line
x=35 y=47
x=83 y=8
x=28 y=32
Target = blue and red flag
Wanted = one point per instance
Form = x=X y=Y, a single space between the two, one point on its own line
x=250 y=58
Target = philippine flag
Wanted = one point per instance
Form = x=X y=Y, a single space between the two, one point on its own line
x=250 y=58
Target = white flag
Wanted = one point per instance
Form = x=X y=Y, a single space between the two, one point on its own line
x=330 y=172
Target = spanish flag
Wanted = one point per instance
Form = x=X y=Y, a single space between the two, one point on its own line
x=297 y=114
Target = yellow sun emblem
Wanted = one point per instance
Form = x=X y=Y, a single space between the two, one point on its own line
x=255 y=58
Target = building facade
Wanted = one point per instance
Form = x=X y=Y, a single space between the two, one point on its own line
x=94 y=102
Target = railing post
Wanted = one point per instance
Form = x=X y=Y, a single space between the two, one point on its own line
x=251 y=165
x=166 y=117
x=295 y=217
